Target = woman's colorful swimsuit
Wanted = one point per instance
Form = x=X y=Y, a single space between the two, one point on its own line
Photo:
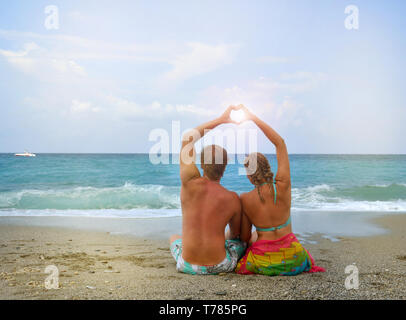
x=284 y=256
x=274 y=201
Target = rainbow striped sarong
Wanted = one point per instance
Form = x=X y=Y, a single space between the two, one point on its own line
x=285 y=256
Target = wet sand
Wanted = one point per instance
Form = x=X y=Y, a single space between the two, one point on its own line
x=99 y=265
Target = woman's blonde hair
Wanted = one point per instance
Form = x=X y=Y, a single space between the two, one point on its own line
x=262 y=171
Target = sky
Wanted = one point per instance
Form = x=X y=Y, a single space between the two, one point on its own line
x=113 y=71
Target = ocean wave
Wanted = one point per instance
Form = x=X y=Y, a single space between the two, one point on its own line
x=353 y=206
x=95 y=213
x=385 y=197
x=128 y=196
x=158 y=198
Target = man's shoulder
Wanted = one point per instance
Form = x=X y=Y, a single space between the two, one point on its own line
x=193 y=183
x=233 y=195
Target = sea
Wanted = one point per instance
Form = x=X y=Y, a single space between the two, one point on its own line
x=130 y=186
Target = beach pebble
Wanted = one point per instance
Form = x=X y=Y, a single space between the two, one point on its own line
x=111 y=271
x=233 y=285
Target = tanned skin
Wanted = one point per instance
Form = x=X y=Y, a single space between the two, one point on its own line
x=207 y=207
x=268 y=214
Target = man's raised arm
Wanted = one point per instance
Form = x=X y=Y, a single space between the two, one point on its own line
x=188 y=169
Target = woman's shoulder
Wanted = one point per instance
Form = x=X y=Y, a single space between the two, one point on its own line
x=246 y=194
x=246 y=197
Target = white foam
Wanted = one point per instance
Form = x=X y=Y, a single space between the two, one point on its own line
x=102 y=213
x=357 y=206
x=127 y=196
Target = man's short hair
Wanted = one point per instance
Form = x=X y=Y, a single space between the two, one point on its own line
x=213 y=161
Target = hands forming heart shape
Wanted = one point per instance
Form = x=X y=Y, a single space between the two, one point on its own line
x=236 y=114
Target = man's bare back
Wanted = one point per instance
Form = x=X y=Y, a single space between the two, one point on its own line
x=207 y=208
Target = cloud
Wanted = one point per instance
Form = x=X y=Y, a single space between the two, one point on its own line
x=124 y=109
x=39 y=62
x=273 y=98
x=67 y=66
x=46 y=59
x=118 y=108
x=62 y=46
x=272 y=59
x=192 y=109
x=303 y=81
x=201 y=58
x=20 y=59
x=80 y=107
x=64 y=52
x=76 y=15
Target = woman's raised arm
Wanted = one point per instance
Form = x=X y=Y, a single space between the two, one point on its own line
x=282 y=157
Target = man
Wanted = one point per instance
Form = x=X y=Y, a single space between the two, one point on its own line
x=207 y=208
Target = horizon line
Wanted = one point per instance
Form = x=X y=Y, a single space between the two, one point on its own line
x=144 y=153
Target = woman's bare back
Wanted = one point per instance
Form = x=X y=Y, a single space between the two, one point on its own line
x=269 y=214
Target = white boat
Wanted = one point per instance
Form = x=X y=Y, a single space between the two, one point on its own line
x=25 y=154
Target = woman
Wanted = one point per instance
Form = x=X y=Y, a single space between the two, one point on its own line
x=274 y=248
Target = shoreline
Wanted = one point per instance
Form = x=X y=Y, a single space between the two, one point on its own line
x=101 y=265
x=328 y=224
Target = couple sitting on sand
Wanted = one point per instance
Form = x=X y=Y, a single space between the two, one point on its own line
x=208 y=207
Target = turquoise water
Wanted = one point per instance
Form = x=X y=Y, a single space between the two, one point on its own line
x=128 y=185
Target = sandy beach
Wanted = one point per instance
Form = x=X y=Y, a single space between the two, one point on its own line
x=99 y=265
